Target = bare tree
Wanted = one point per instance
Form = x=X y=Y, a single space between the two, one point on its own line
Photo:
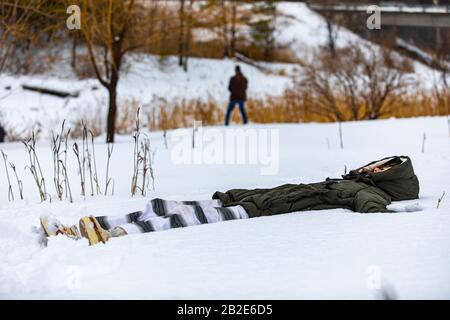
x=181 y=31
x=332 y=26
x=225 y=19
x=112 y=27
x=355 y=83
x=14 y=19
x=384 y=78
x=263 y=27
x=186 y=23
x=230 y=20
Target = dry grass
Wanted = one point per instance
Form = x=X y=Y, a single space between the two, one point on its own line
x=171 y=115
x=126 y=116
x=291 y=107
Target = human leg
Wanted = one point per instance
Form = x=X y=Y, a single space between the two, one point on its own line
x=158 y=216
x=243 y=113
x=230 y=109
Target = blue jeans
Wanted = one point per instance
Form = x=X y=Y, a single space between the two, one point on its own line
x=230 y=109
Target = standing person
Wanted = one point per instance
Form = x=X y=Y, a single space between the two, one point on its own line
x=238 y=95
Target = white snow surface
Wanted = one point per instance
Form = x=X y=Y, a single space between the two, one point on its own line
x=316 y=254
x=306 y=30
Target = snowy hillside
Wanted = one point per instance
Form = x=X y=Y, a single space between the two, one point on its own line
x=306 y=30
x=326 y=254
x=145 y=80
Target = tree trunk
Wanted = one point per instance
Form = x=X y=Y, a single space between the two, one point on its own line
x=187 y=36
x=73 y=62
x=181 y=35
x=2 y=134
x=233 y=28
x=117 y=56
x=226 y=48
x=331 y=38
x=112 y=113
x=112 y=108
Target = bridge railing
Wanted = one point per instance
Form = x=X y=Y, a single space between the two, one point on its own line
x=399 y=7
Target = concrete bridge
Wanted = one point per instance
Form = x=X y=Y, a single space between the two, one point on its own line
x=395 y=14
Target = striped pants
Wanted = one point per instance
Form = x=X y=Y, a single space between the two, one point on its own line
x=166 y=214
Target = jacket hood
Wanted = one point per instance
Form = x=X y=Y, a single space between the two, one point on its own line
x=400 y=181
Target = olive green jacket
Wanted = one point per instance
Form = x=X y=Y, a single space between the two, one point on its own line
x=357 y=191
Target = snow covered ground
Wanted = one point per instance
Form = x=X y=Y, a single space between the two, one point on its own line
x=321 y=254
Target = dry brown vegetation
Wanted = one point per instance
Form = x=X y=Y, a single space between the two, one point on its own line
x=352 y=83
x=356 y=82
x=291 y=107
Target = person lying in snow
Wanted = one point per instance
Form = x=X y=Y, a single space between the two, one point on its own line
x=367 y=189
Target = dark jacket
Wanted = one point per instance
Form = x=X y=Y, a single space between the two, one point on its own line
x=238 y=87
x=361 y=193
